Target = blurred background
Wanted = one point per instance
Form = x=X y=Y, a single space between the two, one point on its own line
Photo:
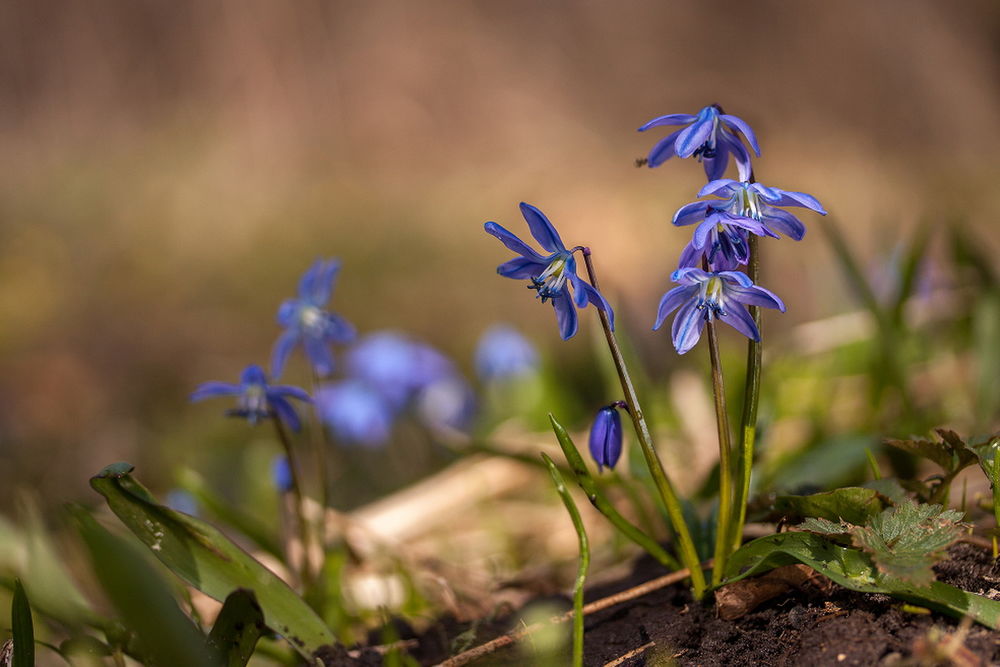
x=170 y=169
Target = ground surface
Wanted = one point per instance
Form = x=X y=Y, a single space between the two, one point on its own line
x=803 y=628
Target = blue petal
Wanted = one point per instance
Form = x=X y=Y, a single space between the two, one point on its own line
x=669 y=119
x=778 y=197
x=287 y=312
x=741 y=126
x=715 y=167
x=565 y=315
x=512 y=242
x=755 y=296
x=308 y=280
x=736 y=316
x=688 y=323
x=671 y=301
x=783 y=222
x=662 y=150
x=542 y=229
x=722 y=187
x=212 y=389
x=253 y=374
x=703 y=230
x=690 y=213
x=336 y=329
x=740 y=154
x=322 y=286
x=690 y=275
x=691 y=138
x=579 y=291
x=599 y=302
x=288 y=390
x=282 y=348
x=319 y=354
x=285 y=412
x=690 y=256
x=521 y=267
x=735 y=278
x=606 y=438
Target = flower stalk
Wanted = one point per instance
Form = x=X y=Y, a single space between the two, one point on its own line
x=305 y=572
x=722 y=541
x=686 y=550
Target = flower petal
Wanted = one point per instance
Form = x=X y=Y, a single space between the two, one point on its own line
x=715 y=166
x=690 y=213
x=288 y=390
x=512 y=242
x=521 y=267
x=542 y=229
x=598 y=301
x=308 y=280
x=662 y=150
x=736 y=316
x=319 y=354
x=565 y=315
x=669 y=119
x=735 y=278
x=691 y=138
x=777 y=197
x=671 y=301
x=755 y=296
x=691 y=275
x=722 y=187
x=285 y=412
x=336 y=329
x=783 y=222
x=702 y=231
x=282 y=348
x=322 y=285
x=688 y=323
x=690 y=256
x=213 y=389
x=741 y=126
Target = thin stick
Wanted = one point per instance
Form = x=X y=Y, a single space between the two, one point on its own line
x=722 y=539
x=631 y=654
x=476 y=652
x=688 y=553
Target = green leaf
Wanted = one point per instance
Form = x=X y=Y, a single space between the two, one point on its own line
x=23 y=630
x=165 y=635
x=853 y=569
x=951 y=454
x=237 y=629
x=206 y=559
x=851 y=504
x=825 y=526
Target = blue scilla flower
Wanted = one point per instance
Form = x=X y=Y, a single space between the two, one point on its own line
x=606 y=437
x=355 y=412
x=711 y=136
x=751 y=207
x=396 y=365
x=504 y=353
x=307 y=321
x=281 y=474
x=446 y=404
x=552 y=274
x=256 y=399
x=180 y=500
x=704 y=296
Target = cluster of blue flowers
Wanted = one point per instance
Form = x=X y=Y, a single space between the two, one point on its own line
x=711 y=285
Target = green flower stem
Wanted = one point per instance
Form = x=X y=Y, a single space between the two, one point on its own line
x=305 y=574
x=722 y=541
x=322 y=443
x=751 y=398
x=688 y=554
x=581 y=573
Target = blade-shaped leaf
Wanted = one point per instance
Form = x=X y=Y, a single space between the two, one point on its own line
x=205 y=558
x=852 y=504
x=237 y=629
x=22 y=631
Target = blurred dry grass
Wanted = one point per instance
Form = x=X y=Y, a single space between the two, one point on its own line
x=169 y=169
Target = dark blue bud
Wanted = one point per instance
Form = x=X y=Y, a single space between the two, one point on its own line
x=281 y=473
x=606 y=437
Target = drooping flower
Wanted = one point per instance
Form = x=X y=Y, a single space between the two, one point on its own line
x=396 y=365
x=550 y=275
x=606 y=437
x=711 y=136
x=504 y=353
x=256 y=399
x=355 y=412
x=307 y=321
x=744 y=208
x=704 y=296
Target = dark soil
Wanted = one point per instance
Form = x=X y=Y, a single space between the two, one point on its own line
x=802 y=628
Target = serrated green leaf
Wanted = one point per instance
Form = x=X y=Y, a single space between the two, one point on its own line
x=825 y=526
x=851 y=504
x=237 y=628
x=205 y=558
x=853 y=569
x=945 y=454
x=22 y=630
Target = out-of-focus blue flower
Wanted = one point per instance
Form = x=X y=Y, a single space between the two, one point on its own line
x=711 y=136
x=281 y=474
x=396 y=366
x=503 y=353
x=447 y=403
x=744 y=208
x=355 y=412
x=180 y=500
x=256 y=399
x=550 y=275
x=704 y=296
x=606 y=437
x=307 y=321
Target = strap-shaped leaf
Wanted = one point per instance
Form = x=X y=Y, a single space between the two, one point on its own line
x=23 y=630
x=202 y=556
x=237 y=629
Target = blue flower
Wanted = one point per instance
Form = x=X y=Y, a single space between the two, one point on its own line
x=281 y=474
x=180 y=500
x=355 y=412
x=552 y=274
x=257 y=399
x=711 y=136
x=306 y=321
x=396 y=366
x=744 y=208
x=705 y=296
x=446 y=404
x=504 y=353
x=606 y=437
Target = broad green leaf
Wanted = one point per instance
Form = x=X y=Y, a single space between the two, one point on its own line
x=165 y=635
x=205 y=558
x=23 y=630
x=237 y=629
x=951 y=454
x=853 y=569
x=825 y=526
x=852 y=504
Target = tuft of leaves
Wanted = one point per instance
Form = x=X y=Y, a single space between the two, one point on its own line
x=904 y=541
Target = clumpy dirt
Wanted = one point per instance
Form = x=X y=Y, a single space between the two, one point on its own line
x=802 y=628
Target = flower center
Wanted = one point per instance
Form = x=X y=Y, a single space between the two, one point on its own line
x=310 y=318
x=255 y=399
x=552 y=280
x=748 y=204
x=711 y=298
x=707 y=149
